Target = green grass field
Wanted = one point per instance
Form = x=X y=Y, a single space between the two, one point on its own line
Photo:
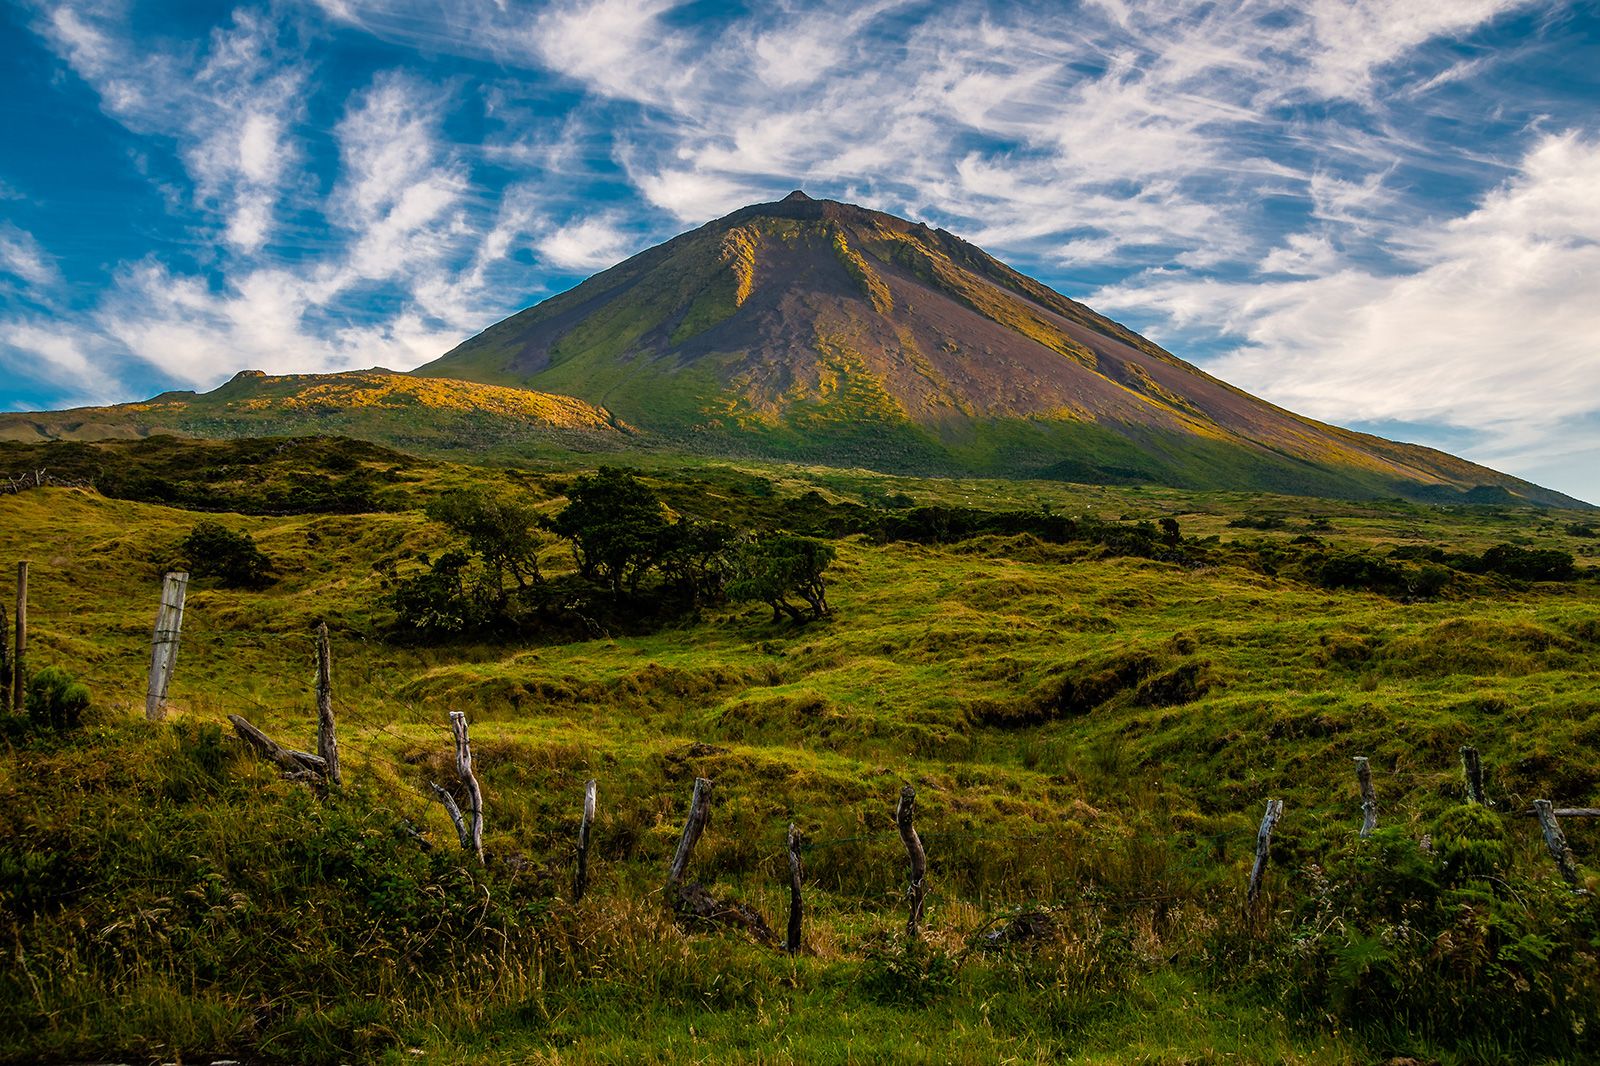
x=165 y=894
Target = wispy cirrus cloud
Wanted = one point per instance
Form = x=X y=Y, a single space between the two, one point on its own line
x=231 y=106
x=22 y=257
x=1488 y=326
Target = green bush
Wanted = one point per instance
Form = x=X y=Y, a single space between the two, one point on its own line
x=1529 y=564
x=1471 y=842
x=55 y=699
x=502 y=530
x=213 y=550
x=1447 y=947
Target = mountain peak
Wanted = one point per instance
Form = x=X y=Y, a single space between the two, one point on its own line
x=796 y=196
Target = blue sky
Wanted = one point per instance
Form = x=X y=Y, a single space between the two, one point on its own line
x=1381 y=213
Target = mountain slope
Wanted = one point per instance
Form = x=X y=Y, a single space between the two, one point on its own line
x=818 y=330
x=379 y=405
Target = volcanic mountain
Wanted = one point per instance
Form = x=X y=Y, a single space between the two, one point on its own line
x=822 y=332
x=825 y=332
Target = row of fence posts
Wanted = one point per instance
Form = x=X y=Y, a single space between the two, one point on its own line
x=323 y=769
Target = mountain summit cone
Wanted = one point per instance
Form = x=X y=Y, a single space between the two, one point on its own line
x=825 y=332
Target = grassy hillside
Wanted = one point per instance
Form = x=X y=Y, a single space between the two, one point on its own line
x=419 y=414
x=1088 y=731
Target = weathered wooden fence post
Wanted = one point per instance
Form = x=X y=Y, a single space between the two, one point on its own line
x=458 y=726
x=164 y=643
x=917 y=888
x=1369 y=797
x=19 y=655
x=1263 y=847
x=693 y=826
x=1556 y=841
x=580 y=880
x=327 y=743
x=1472 y=769
x=791 y=944
x=5 y=658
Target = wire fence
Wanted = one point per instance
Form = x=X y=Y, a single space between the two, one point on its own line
x=204 y=648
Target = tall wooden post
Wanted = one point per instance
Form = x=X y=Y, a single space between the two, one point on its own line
x=693 y=826
x=5 y=658
x=458 y=726
x=791 y=943
x=580 y=880
x=327 y=743
x=1263 y=847
x=1556 y=841
x=1369 y=797
x=164 y=643
x=1472 y=769
x=19 y=655
x=917 y=888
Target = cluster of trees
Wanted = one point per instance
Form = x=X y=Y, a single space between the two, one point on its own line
x=635 y=565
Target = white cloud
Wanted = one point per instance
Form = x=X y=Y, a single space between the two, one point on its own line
x=59 y=356
x=587 y=244
x=1494 y=328
x=693 y=196
x=22 y=257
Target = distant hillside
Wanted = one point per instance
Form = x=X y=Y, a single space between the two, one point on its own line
x=377 y=405
x=826 y=332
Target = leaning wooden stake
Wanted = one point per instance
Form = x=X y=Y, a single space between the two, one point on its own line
x=796 y=912
x=1369 y=797
x=453 y=809
x=1556 y=841
x=164 y=643
x=301 y=765
x=1472 y=768
x=19 y=654
x=580 y=880
x=917 y=888
x=693 y=826
x=1263 y=847
x=458 y=726
x=327 y=743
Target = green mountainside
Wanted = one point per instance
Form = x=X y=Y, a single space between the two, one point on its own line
x=824 y=332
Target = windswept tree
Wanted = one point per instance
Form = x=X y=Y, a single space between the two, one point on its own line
x=774 y=568
x=696 y=558
x=502 y=530
x=618 y=528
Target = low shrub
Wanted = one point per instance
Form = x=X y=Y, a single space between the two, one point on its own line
x=213 y=550
x=56 y=699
